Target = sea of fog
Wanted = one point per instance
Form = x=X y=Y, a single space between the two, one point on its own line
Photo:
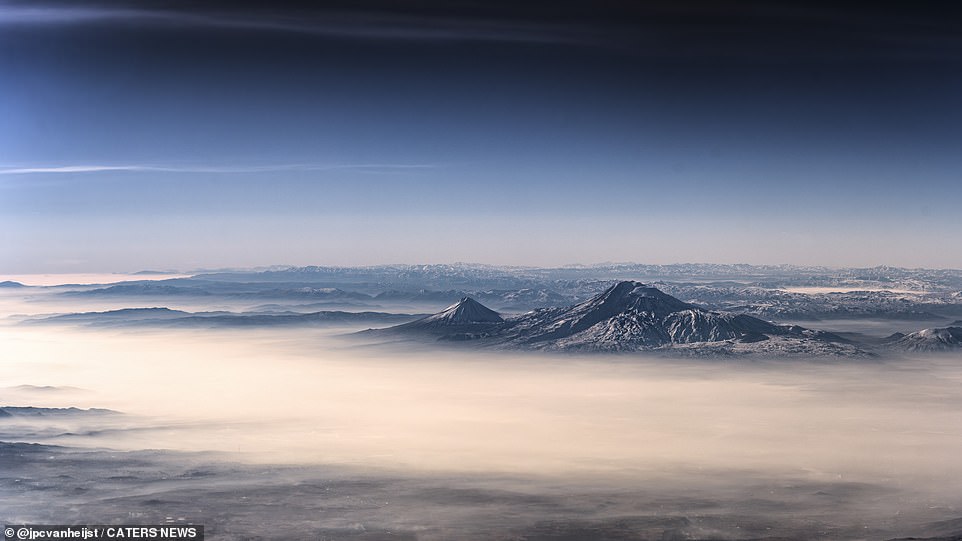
x=732 y=448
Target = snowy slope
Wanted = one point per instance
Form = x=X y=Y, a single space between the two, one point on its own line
x=465 y=319
x=464 y=312
x=930 y=340
x=632 y=316
x=628 y=316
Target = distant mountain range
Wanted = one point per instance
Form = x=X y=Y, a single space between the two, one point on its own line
x=780 y=293
x=31 y=411
x=327 y=297
x=165 y=317
x=456 y=275
x=721 y=309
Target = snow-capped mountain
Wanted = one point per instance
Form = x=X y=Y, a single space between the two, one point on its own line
x=628 y=316
x=466 y=318
x=930 y=340
x=633 y=316
x=467 y=311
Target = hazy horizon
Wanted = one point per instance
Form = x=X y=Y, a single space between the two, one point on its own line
x=100 y=274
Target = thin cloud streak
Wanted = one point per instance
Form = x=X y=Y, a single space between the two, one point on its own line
x=332 y=24
x=657 y=29
x=372 y=167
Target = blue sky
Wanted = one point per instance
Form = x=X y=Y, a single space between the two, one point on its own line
x=222 y=135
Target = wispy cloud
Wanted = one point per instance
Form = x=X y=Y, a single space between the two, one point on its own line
x=663 y=29
x=320 y=22
x=213 y=169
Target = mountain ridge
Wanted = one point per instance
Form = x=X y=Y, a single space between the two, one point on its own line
x=929 y=340
x=628 y=316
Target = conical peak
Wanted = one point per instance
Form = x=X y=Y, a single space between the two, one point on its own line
x=467 y=310
x=465 y=303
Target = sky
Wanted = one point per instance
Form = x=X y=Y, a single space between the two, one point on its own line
x=185 y=135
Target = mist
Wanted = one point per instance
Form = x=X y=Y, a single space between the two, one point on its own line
x=313 y=397
x=310 y=398
x=404 y=439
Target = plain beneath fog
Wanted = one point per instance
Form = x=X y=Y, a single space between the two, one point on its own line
x=396 y=442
